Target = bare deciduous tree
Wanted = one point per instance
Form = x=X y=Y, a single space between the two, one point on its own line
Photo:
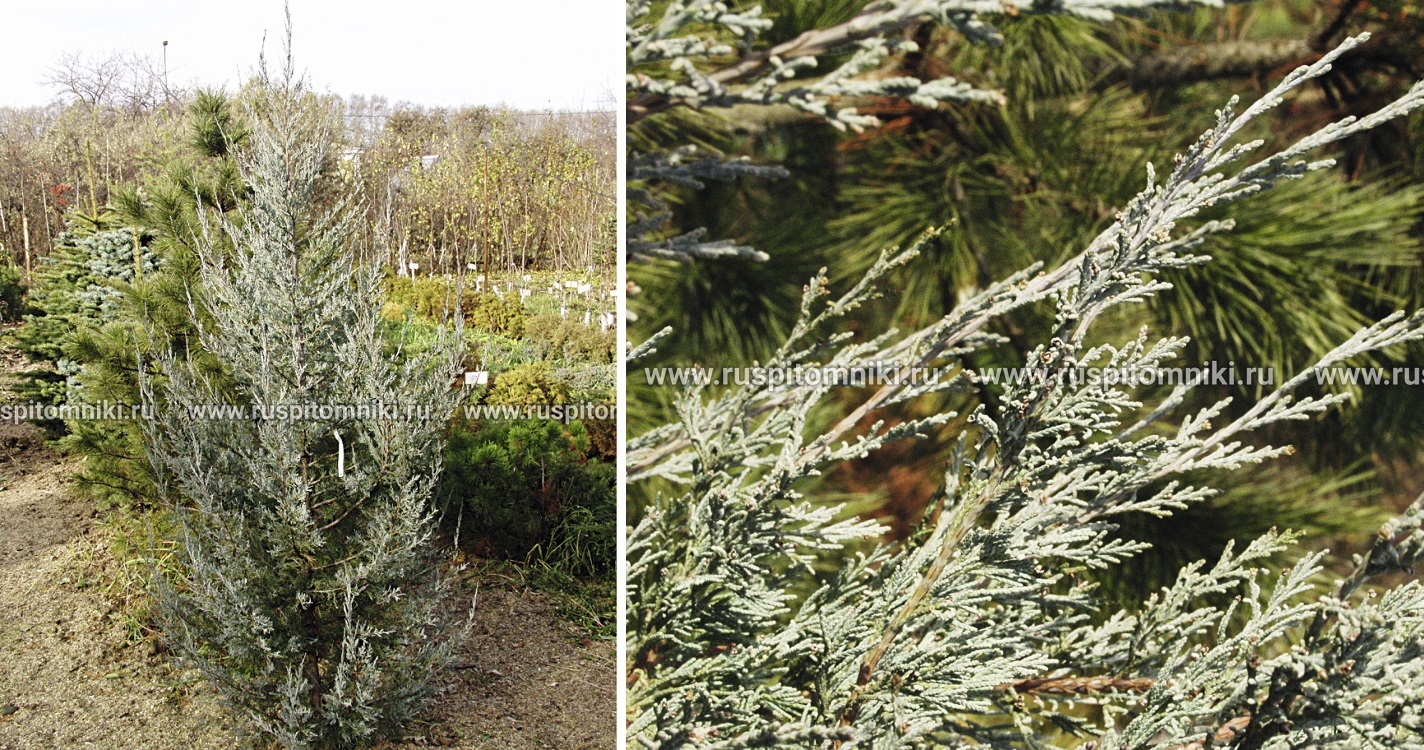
x=124 y=81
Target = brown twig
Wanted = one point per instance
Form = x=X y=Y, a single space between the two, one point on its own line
x=1347 y=8
x=1227 y=732
x=1078 y=685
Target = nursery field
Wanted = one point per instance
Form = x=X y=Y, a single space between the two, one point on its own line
x=309 y=435
x=81 y=666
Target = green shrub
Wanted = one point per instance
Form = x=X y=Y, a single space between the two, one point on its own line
x=528 y=385
x=392 y=312
x=602 y=437
x=554 y=337
x=430 y=297
x=504 y=315
x=589 y=343
x=542 y=331
x=523 y=488
x=583 y=539
x=400 y=291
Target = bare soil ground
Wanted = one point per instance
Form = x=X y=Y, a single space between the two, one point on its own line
x=524 y=683
x=72 y=676
x=68 y=674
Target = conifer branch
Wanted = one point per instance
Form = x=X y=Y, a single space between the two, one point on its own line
x=926 y=642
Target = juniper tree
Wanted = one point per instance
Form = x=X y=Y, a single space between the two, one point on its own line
x=1031 y=179
x=758 y=617
x=1027 y=178
x=308 y=591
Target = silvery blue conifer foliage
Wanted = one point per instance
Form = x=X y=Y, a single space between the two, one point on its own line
x=309 y=597
x=112 y=257
x=80 y=289
x=981 y=629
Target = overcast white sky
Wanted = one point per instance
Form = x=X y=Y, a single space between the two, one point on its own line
x=532 y=54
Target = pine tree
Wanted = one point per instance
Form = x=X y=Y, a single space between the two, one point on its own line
x=155 y=306
x=118 y=279
x=308 y=590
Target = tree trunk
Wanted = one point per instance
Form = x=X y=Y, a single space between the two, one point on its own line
x=25 y=230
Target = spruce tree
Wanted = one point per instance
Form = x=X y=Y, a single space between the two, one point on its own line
x=308 y=592
x=75 y=291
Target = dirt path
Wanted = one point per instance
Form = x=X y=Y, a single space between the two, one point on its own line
x=70 y=676
x=524 y=684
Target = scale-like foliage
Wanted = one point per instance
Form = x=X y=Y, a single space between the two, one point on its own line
x=308 y=591
x=982 y=629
